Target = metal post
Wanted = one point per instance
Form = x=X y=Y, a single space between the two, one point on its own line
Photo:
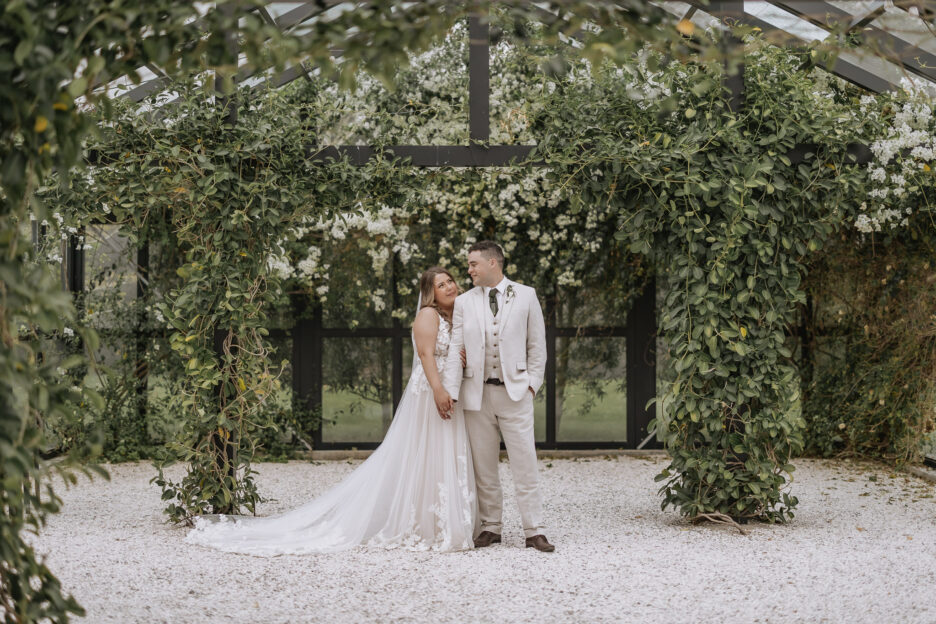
x=228 y=103
x=551 y=370
x=479 y=90
x=318 y=349
x=307 y=363
x=731 y=12
x=641 y=365
x=75 y=264
x=142 y=335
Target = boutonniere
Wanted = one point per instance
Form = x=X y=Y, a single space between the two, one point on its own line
x=509 y=294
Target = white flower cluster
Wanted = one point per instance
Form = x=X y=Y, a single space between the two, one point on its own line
x=645 y=85
x=907 y=150
x=382 y=235
x=278 y=265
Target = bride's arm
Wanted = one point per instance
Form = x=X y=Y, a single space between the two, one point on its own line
x=425 y=332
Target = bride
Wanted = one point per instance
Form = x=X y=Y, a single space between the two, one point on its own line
x=416 y=490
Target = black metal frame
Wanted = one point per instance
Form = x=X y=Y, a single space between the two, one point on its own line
x=640 y=331
x=308 y=336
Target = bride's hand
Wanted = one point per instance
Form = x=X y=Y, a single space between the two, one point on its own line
x=464 y=358
x=443 y=403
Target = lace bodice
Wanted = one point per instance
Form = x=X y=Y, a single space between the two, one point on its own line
x=418 y=381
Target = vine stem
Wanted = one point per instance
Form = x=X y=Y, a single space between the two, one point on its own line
x=718 y=518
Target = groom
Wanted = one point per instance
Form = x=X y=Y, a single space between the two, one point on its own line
x=499 y=323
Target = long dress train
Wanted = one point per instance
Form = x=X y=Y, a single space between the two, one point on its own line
x=415 y=491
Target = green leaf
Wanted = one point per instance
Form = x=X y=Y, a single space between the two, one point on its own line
x=77 y=86
x=23 y=49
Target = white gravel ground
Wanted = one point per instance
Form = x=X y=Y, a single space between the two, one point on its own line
x=862 y=548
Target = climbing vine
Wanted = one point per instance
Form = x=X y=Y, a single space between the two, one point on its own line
x=713 y=196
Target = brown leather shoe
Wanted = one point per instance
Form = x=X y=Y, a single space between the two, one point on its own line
x=539 y=543
x=486 y=538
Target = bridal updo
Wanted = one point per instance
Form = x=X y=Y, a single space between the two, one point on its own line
x=427 y=288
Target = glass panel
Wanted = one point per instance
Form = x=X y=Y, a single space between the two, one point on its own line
x=664 y=365
x=407 y=359
x=357 y=401
x=928 y=445
x=785 y=21
x=590 y=389
x=539 y=415
x=110 y=276
x=867 y=60
x=359 y=293
x=295 y=430
x=110 y=273
x=863 y=57
x=606 y=293
x=854 y=7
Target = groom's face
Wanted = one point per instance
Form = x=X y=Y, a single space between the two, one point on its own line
x=482 y=270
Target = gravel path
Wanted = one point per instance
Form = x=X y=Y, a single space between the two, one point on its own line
x=862 y=548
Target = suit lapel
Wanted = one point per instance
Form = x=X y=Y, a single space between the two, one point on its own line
x=508 y=305
x=480 y=312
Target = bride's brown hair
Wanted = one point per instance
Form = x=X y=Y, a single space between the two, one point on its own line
x=427 y=288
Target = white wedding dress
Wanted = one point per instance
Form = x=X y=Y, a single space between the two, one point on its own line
x=415 y=491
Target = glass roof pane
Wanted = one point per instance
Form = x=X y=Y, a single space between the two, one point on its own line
x=875 y=65
x=907 y=27
x=699 y=18
x=783 y=20
x=121 y=85
x=855 y=7
x=278 y=8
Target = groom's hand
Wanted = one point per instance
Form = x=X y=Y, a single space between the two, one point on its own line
x=531 y=391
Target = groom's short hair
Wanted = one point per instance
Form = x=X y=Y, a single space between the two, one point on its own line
x=489 y=249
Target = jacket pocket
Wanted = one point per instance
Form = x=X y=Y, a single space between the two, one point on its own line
x=521 y=366
x=468 y=372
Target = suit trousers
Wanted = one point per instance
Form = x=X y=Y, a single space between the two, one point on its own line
x=514 y=421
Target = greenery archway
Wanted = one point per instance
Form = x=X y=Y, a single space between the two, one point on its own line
x=707 y=193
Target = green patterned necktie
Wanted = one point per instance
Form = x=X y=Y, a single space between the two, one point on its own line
x=493 y=296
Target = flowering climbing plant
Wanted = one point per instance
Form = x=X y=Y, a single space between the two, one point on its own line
x=640 y=167
x=902 y=172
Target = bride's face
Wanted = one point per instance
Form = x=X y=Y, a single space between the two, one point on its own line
x=445 y=290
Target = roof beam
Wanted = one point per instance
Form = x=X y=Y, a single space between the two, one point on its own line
x=730 y=11
x=431 y=155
